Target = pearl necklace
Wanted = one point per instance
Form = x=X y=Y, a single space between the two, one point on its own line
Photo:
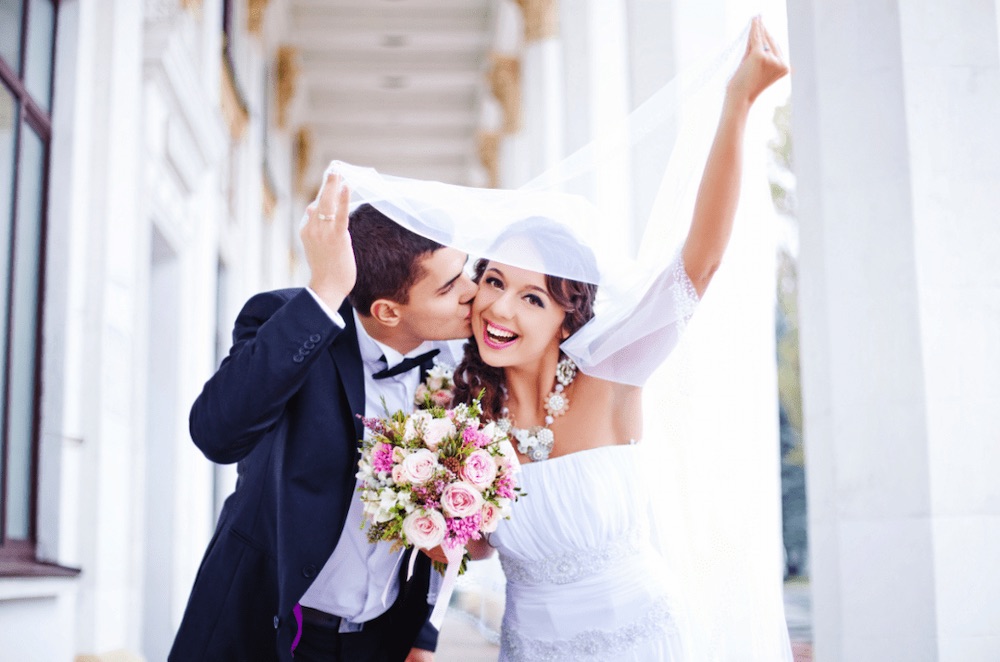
x=537 y=441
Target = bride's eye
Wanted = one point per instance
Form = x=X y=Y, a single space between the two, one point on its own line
x=534 y=300
x=493 y=281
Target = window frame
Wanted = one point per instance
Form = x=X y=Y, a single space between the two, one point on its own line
x=18 y=557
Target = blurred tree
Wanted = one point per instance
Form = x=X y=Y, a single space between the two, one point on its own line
x=793 y=490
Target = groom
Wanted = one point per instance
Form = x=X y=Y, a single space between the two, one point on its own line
x=288 y=565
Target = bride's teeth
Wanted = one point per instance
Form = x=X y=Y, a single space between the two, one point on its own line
x=498 y=333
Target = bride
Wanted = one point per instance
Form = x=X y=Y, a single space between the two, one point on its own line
x=585 y=578
x=587 y=573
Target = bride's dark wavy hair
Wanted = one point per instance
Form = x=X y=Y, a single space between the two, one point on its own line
x=474 y=376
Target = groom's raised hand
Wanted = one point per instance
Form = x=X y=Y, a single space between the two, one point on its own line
x=327 y=243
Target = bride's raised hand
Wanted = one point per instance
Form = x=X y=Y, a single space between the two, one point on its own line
x=763 y=63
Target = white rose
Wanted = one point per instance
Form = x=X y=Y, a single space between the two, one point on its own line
x=491 y=431
x=436 y=430
x=419 y=466
x=509 y=456
x=424 y=529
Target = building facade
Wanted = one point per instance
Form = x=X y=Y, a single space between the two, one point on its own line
x=157 y=156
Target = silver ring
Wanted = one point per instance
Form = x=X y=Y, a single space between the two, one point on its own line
x=766 y=47
x=325 y=217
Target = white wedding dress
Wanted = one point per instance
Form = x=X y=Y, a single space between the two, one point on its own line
x=585 y=580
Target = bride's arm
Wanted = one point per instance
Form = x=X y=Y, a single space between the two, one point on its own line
x=628 y=349
x=719 y=191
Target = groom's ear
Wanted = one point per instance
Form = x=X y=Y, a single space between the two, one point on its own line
x=386 y=312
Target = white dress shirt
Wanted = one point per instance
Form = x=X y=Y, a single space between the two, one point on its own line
x=360 y=580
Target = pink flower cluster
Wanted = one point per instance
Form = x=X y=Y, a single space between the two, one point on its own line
x=382 y=457
x=463 y=529
x=475 y=437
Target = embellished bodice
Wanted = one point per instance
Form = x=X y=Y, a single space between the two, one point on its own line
x=584 y=578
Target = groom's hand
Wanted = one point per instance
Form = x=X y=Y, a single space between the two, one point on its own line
x=419 y=655
x=327 y=243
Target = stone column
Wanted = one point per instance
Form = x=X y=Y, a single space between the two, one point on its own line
x=542 y=85
x=897 y=152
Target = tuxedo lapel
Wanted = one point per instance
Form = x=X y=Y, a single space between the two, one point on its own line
x=347 y=356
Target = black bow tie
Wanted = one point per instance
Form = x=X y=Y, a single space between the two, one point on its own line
x=406 y=364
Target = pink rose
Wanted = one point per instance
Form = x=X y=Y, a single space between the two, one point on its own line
x=398 y=476
x=491 y=517
x=480 y=469
x=424 y=529
x=421 y=395
x=436 y=430
x=442 y=398
x=419 y=467
x=461 y=499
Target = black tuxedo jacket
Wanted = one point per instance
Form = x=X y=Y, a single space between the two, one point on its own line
x=284 y=405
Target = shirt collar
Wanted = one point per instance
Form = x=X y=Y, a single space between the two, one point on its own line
x=372 y=350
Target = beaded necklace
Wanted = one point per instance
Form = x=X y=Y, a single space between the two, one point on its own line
x=537 y=441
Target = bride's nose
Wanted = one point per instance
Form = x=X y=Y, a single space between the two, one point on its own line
x=501 y=306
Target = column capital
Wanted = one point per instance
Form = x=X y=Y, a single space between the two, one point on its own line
x=505 y=83
x=303 y=156
x=255 y=16
x=541 y=19
x=286 y=70
x=234 y=107
x=488 y=147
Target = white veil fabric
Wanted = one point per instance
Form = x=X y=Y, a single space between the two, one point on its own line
x=615 y=213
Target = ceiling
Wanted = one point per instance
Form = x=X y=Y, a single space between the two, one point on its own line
x=394 y=84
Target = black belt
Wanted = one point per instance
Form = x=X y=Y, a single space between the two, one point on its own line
x=320 y=618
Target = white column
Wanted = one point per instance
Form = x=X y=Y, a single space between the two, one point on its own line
x=109 y=606
x=542 y=97
x=595 y=42
x=898 y=163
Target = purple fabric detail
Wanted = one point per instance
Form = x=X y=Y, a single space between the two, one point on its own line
x=297 y=612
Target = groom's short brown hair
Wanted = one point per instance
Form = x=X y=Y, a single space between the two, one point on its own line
x=388 y=258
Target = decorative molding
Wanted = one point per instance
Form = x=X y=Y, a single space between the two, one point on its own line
x=286 y=71
x=488 y=146
x=303 y=154
x=505 y=83
x=234 y=108
x=255 y=16
x=197 y=134
x=541 y=19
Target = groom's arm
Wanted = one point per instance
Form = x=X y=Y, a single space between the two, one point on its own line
x=276 y=341
x=277 y=338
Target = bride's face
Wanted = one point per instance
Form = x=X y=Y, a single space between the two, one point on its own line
x=514 y=318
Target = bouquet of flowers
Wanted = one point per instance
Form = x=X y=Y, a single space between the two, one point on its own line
x=436 y=477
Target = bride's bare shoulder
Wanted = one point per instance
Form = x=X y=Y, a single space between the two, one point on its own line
x=585 y=384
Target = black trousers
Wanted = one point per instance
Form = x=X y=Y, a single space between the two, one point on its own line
x=378 y=641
